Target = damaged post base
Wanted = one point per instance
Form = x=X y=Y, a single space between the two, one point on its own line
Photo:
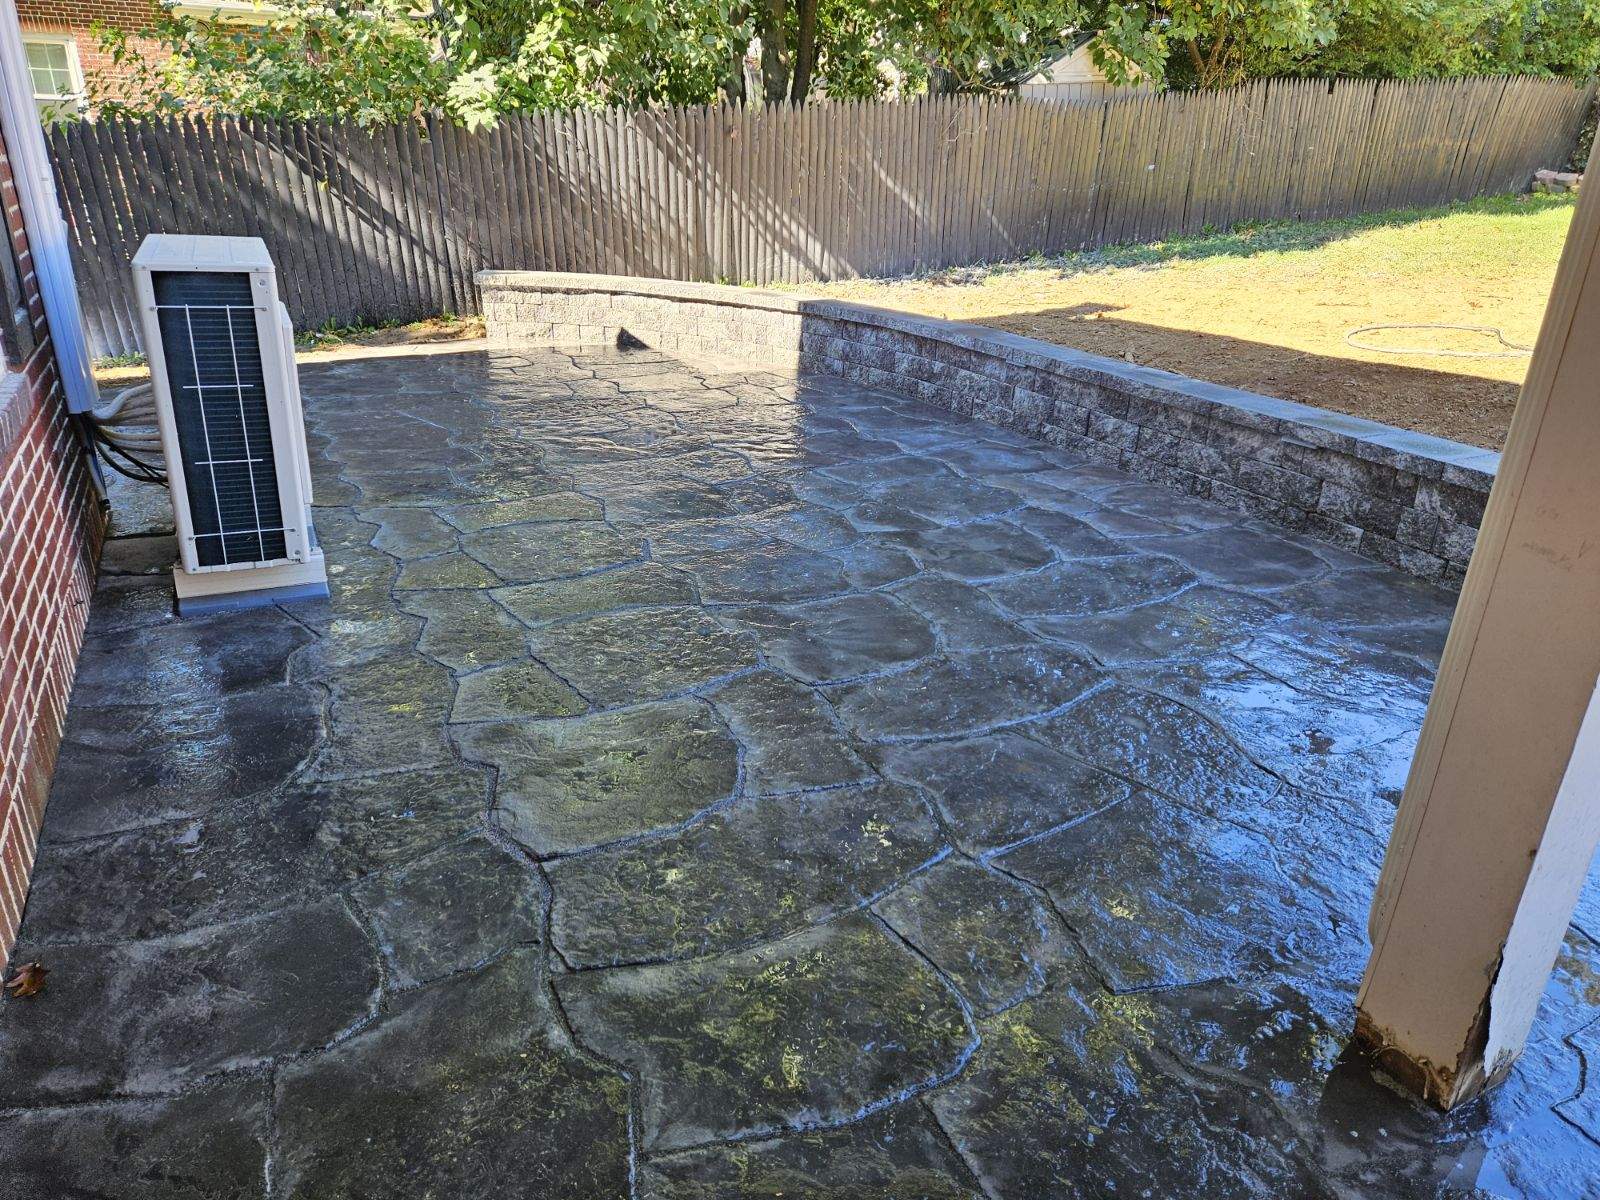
x=1445 y=1087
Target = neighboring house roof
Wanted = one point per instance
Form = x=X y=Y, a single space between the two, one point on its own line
x=1072 y=66
x=129 y=14
x=241 y=12
x=1075 y=66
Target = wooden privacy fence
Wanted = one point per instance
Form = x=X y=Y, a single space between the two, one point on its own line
x=392 y=223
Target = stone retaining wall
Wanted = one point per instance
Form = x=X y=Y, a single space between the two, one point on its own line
x=1402 y=498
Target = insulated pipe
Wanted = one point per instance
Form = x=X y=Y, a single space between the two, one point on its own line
x=128 y=419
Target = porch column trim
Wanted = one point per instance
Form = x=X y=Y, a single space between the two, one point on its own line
x=1501 y=812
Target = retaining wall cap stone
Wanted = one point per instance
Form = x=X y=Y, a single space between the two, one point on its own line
x=1405 y=449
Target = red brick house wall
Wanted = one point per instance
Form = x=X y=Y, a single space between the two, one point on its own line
x=75 y=17
x=51 y=526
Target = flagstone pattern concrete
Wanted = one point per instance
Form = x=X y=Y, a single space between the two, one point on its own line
x=711 y=784
x=1406 y=499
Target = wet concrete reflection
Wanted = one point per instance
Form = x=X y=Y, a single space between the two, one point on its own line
x=704 y=783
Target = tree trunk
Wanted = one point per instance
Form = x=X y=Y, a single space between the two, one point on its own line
x=732 y=82
x=805 y=50
x=1216 y=61
x=774 y=51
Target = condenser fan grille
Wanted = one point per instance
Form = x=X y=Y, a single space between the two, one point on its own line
x=219 y=403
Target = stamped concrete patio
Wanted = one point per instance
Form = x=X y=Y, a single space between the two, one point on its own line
x=704 y=785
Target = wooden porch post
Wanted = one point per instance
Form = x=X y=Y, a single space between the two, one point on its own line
x=1501 y=812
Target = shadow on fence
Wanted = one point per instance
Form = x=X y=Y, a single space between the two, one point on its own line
x=392 y=224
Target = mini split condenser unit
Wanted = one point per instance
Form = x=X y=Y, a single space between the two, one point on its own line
x=222 y=370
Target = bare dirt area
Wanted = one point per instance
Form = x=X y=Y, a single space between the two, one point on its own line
x=325 y=345
x=320 y=345
x=1268 y=308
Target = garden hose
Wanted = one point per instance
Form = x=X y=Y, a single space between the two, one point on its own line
x=1512 y=350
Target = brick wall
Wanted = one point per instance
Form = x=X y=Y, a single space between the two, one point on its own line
x=75 y=17
x=51 y=526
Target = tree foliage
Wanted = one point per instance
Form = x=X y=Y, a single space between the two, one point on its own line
x=1411 y=39
x=366 y=61
x=1214 y=43
x=503 y=56
x=972 y=45
x=1208 y=43
x=376 y=61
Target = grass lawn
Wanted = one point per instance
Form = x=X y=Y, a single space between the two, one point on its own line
x=1266 y=307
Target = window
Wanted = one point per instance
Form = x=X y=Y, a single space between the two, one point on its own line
x=57 y=81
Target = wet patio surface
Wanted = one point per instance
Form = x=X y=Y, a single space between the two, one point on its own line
x=701 y=785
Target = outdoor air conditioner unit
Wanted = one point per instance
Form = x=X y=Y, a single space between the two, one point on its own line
x=221 y=353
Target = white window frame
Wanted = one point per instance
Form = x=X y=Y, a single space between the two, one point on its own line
x=73 y=100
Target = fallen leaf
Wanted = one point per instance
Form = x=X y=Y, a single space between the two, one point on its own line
x=28 y=980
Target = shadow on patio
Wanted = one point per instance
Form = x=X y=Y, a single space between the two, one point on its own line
x=704 y=784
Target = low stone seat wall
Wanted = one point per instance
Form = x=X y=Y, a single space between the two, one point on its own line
x=1402 y=498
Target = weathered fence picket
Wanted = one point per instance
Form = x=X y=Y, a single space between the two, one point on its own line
x=391 y=224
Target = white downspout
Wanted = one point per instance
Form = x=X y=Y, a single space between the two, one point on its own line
x=41 y=211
